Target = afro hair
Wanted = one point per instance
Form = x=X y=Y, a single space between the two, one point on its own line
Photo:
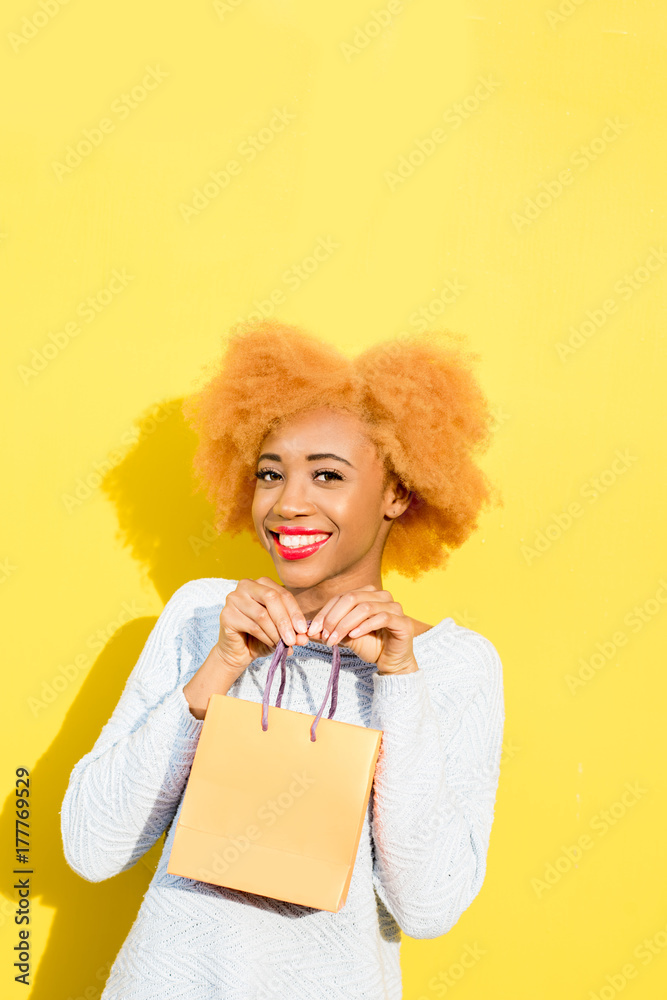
x=417 y=395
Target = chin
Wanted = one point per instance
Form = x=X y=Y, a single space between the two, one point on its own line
x=292 y=574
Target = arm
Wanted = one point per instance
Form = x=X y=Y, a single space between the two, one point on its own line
x=123 y=793
x=436 y=780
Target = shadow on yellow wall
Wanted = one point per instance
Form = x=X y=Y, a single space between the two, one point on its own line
x=167 y=526
x=169 y=531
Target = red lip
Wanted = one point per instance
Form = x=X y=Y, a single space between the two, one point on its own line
x=304 y=550
x=294 y=529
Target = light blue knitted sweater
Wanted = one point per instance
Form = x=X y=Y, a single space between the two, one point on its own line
x=422 y=854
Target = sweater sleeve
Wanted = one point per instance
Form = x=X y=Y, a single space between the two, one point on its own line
x=123 y=794
x=436 y=780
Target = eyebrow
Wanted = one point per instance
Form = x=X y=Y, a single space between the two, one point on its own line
x=309 y=458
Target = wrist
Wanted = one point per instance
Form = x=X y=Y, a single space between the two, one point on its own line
x=408 y=667
x=214 y=676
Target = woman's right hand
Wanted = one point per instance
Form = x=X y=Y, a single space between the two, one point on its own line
x=257 y=614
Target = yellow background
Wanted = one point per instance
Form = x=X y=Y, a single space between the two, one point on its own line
x=361 y=100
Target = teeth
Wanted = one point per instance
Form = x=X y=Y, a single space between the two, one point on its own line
x=298 y=541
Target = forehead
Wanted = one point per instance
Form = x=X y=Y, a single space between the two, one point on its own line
x=320 y=430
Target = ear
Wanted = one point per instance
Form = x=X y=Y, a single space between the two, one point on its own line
x=399 y=497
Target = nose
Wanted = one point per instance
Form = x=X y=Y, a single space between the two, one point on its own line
x=293 y=500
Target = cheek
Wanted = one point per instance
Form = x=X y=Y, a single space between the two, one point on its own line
x=258 y=509
x=360 y=519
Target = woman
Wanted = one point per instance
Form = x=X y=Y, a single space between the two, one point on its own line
x=342 y=468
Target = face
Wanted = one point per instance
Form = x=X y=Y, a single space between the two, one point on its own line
x=323 y=506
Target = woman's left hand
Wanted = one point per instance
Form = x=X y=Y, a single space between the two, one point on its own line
x=372 y=625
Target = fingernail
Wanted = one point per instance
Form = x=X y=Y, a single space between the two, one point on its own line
x=291 y=638
x=301 y=624
x=325 y=634
x=313 y=627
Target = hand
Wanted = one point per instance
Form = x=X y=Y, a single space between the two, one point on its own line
x=256 y=616
x=372 y=625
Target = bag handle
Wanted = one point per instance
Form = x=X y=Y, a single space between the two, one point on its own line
x=279 y=656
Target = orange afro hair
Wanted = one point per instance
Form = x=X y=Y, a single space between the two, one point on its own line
x=418 y=396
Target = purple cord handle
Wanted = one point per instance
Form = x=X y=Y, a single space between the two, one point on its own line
x=279 y=656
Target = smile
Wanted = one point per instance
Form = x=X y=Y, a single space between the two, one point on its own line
x=293 y=546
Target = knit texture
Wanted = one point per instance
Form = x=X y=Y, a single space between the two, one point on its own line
x=422 y=854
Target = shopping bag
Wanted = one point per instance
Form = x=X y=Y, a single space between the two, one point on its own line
x=275 y=802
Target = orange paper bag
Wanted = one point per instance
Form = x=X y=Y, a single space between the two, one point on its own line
x=276 y=799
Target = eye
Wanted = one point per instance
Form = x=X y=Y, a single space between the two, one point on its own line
x=328 y=472
x=266 y=475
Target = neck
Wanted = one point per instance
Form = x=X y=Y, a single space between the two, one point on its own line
x=312 y=598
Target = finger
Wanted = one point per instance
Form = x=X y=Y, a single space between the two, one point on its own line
x=398 y=624
x=377 y=595
x=297 y=620
x=342 y=607
x=359 y=614
x=241 y=622
x=260 y=614
x=327 y=617
x=316 y=624
x=297 y=617
x=269 y=608
x=355 y=598
x=275 y=604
